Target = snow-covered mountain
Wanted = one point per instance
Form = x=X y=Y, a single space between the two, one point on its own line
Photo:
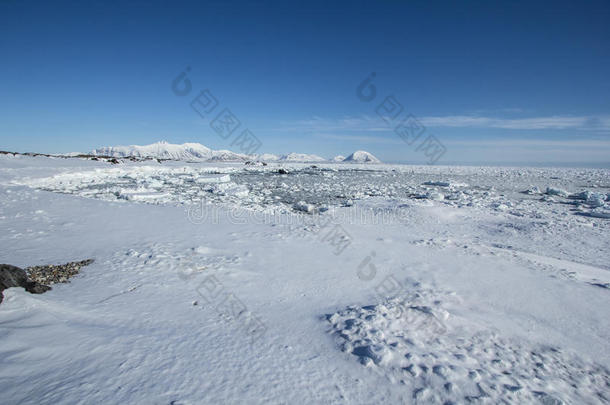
x=164 y=150
x=228 y=156
x=339 y=158
x=361 y=156
x=301 y=157
x=160 y=150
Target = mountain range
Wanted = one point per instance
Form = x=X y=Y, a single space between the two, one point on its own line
x=199 y=152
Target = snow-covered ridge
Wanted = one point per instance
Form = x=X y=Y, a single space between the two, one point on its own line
x=199 y=152
x=301 y=157
x=163 y=150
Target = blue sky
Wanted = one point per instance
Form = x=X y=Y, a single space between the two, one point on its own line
x=493 y=81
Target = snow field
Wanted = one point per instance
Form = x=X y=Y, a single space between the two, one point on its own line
x=502 y=293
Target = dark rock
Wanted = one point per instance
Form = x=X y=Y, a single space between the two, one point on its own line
x=282 y=171
x=11 y=276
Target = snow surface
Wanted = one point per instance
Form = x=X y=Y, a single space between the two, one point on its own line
x=344 y=283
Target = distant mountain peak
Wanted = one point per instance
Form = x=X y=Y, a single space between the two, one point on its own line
x=361 y=156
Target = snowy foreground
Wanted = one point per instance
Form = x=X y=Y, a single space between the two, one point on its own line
x=357 y=284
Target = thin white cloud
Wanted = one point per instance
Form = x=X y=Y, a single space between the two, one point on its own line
x=495 y=143
x=318 y=124
x=362 y=138
x=553 y=122
x=375 y=124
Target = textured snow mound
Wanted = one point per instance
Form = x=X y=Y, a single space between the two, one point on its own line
x=410 y=340
x=361 y=156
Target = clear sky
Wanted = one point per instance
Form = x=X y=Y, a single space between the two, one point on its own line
x=519 y=81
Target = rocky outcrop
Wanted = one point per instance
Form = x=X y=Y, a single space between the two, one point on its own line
x=37 y=279
x=12 y=276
